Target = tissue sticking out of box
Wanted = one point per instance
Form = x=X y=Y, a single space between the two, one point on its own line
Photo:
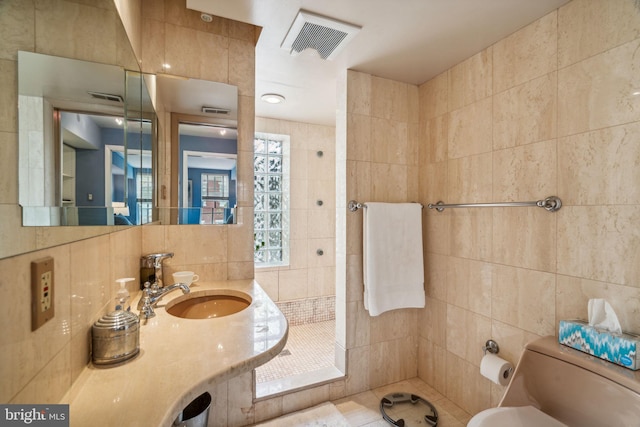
x=602 y=316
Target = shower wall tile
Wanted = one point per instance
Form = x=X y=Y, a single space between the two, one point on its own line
x=435 y=140
x=389 y=99
x=433 y=184
x=434 y=97
x=469 y=285
x=388 y=141
x=526 y=113
x=599 y=91
x=292 y=284
x=471 y=234
x=436 y=285
x=525 y=299
x=359 y=93
x=526 y=54
x=359 y=137
x=600 y=243
x=524 y=238
x=388 y=182
x=573 y=294
x=469 y=179
x=471 y=80
x=525 y=173
x=597 y=164
x=436 y=235
x=590 y=27
x=470 y=129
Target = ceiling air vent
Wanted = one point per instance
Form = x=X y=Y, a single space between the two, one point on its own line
x=215 y=110
x=325 y=35
x=106 y=96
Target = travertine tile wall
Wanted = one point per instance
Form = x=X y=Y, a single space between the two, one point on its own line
x=549 y=110
x=382 y=130
x=311 y=227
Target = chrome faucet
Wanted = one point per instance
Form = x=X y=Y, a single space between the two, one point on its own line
x=153 y=294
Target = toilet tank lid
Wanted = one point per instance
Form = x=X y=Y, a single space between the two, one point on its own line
x=550 y=346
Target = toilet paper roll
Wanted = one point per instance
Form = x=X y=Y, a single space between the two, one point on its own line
x=496 y=369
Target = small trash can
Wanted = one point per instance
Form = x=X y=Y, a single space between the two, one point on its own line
x=196 y=414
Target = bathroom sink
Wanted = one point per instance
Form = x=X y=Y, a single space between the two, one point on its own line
x=208 y=304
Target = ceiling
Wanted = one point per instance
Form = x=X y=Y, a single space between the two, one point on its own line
x=409 y=41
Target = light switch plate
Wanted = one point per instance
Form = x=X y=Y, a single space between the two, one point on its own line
x=42 y=292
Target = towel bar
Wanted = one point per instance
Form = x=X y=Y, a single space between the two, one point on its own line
x=551 y=204
x=354 y=206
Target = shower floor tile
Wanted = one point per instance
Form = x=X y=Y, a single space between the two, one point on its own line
x=310 y=347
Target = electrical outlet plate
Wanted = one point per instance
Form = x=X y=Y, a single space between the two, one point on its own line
x=42 y=292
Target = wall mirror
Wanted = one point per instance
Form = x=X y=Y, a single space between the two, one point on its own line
x=204 y=149
x=85 y=132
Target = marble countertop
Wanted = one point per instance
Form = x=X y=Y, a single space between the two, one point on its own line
x=179 y=359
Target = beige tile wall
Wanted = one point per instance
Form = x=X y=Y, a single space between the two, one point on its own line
x=548 y=110
x=381 y=166
x=312 y=227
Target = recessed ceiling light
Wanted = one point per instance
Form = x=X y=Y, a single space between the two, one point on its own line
x=272 y=98
x=206 y=17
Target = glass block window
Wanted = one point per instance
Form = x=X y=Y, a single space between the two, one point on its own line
x=271 y=200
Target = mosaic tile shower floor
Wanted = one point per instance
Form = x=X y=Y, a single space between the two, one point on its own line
x=310 y=347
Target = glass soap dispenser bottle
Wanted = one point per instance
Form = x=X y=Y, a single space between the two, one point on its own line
x=122 y=296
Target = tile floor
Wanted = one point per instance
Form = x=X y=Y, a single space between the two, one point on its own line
x=310 y=347
x=362 y=410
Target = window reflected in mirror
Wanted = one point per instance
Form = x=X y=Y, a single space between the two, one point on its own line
x=207 y=173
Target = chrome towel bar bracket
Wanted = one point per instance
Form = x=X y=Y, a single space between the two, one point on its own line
x=551 y=204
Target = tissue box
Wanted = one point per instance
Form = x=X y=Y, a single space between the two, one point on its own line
x=621 y=349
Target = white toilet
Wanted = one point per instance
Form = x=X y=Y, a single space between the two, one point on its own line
x=556 y=386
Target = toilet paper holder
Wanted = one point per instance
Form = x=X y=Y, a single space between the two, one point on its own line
x=491 y=346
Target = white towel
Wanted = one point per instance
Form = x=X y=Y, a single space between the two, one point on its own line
x=393 y=264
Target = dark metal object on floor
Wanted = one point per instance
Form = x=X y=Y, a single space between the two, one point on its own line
x=391 y=399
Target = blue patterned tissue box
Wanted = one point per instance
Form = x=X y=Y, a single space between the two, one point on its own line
x=621 y=349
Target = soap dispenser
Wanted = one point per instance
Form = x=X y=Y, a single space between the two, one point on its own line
x=122 y=296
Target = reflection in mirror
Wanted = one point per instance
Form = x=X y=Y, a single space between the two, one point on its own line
x=207 y=174
x=70 y=113
x=204 y=149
